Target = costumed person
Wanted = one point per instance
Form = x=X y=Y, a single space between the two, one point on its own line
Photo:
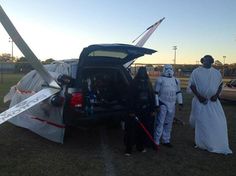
x=167 y=92
x=207 y=115
x=141 y=104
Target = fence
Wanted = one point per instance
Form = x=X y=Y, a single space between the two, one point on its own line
x=184 y=81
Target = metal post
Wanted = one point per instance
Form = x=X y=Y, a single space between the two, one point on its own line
x=174 y=48
x=224 y=57
x=1 y=80
x=10 y=40
x=223 y=74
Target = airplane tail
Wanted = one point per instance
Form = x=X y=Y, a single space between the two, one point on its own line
x=147 y=33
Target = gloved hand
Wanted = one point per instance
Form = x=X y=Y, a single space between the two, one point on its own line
x=157 y=109
x=181 y=106
x=153 y=114
x=65 y=79
x=202 y=99
x=214 y=98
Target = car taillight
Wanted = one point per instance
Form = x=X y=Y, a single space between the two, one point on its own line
x=76 y=100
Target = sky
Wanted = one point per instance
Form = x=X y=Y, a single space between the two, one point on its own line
x=60 y=29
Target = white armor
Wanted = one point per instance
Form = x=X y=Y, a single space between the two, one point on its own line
x=168 y=91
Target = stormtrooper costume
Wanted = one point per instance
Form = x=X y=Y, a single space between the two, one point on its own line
x=167 y=91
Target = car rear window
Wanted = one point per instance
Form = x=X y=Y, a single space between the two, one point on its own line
x=114 y=54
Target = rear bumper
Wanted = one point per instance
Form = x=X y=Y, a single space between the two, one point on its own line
x=74 y=117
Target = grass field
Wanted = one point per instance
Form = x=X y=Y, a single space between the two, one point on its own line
x=7 y=80
x=97 y=150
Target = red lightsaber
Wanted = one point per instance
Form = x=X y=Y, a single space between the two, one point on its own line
x=147 y=132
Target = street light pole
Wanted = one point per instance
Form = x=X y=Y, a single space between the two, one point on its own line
x=10 y=40
x=174 y=48
x=224 y=57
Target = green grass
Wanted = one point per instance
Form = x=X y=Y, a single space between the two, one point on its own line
x=6 y=81
x=82 y=154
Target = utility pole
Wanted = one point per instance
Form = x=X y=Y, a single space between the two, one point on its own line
x=174 y=48
x=10 y=40
x=223 y=74
x=1 y=80
x=224 y=57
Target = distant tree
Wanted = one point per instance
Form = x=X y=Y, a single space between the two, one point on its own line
x=6 y=57
x=218 y=63
x=233 y=65
x=149 y=65
x=48 y=61
x=22 y=65
x=158 y=68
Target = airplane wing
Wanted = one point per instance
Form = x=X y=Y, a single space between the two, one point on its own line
x=34 y=61
x=27 y=103
x=24 y=48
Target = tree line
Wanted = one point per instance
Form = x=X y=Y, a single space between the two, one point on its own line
x=22 y=65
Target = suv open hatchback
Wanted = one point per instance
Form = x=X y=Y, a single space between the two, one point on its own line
x=101 y=79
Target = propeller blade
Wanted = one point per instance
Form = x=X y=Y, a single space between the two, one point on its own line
x=24 y=48
x=27 y=103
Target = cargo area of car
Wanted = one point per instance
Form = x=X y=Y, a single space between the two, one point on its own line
x=104 y=90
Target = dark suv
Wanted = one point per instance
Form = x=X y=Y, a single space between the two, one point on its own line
x=101 y=78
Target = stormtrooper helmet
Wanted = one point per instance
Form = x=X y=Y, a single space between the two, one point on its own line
x=168 y=70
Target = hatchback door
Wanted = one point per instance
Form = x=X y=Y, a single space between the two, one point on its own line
x=121 y=54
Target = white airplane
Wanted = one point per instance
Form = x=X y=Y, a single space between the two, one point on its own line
x=42 y=97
